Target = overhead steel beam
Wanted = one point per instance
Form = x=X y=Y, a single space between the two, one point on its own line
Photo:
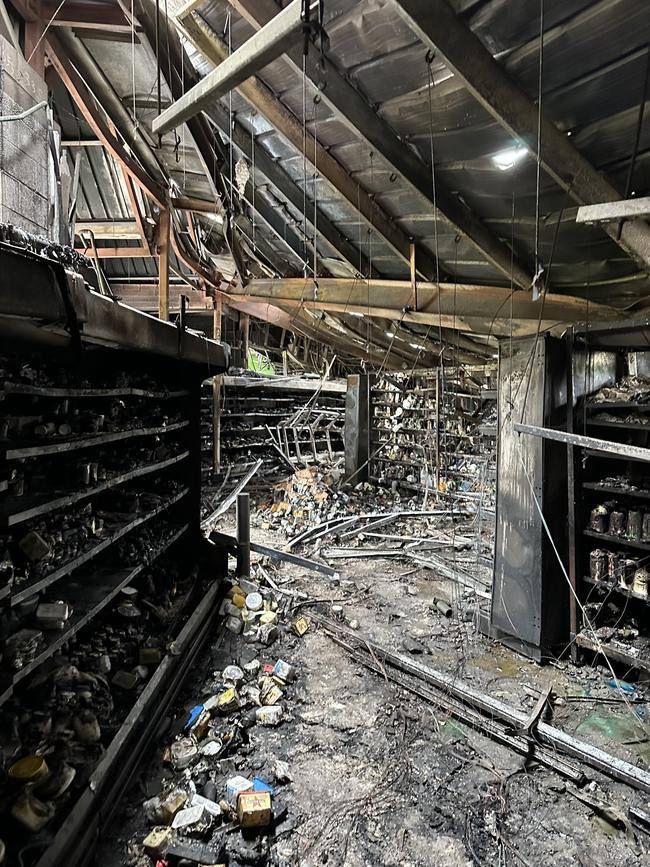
x=288 y=188
x=281 y=32
x=611 y=212
x=440 y=29
x=350 y=106
x=287 y=125
x=463 y=307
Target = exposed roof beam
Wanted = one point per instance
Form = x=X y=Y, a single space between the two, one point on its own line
x=118 y=252
x=98 y=121
x=351 y=106
x=179 y=73
x=135 y=208
x=124 y=229
x=82 y=143
x=287 y=124
x=482 y=309
x=610 y=212
x=283 y=182
x=440 y=29
x=92 y=16
x=279 y=34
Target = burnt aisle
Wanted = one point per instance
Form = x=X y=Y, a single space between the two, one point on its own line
x=363 y=769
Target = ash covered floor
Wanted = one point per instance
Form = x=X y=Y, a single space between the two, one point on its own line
x=366 y=773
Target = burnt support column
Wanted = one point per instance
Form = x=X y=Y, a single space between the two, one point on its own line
x=357 y=427
x=243 y=536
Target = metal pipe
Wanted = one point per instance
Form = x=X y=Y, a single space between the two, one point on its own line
x=243 y=536
x=6 y=118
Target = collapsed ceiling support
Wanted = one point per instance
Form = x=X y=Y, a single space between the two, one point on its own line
x=441 y=30
x=352 y=108
x=464 y=307
x=320 y=160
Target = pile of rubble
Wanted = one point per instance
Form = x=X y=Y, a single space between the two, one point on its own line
x=212 y=807
x=314 y=495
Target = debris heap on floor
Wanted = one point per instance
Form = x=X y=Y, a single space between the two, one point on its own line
x=213 y=806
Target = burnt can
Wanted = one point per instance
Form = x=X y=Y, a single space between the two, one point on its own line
x=634 y=525
x=613 y=566
x=617 y=523
x=598 y=564
x=598 y=521
x=627 y=569
x=645 y=532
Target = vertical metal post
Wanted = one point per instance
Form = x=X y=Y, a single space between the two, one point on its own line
x=216 y=391
x=163 y=265
x=414 y=276
x=245 y=327
x=438 y=430
x=243 y=536
x=571 y=490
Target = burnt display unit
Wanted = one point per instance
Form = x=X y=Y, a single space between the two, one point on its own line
x=609 y=492
x=425 y=432
x=100 y=489
x=530 y=595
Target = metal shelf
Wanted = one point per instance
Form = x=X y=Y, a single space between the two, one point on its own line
x=97 y=595
x=38 y=506
x=24 y=591
x=614 y=405
x=623 y=425
x=613 y=653
x=52 y=391
x=616 y=588
x=614 y=491
x=86 y=442
x=617 y=540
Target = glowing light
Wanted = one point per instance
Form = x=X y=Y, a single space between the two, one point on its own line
x=508 y=158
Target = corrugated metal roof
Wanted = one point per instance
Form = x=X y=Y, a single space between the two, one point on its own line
x=594 y=63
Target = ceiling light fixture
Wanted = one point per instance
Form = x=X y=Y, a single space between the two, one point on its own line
x=508 y=158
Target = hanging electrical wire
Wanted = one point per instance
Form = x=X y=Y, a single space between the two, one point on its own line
x=538 y=279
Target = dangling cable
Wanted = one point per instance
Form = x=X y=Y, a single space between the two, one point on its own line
x=230 y=125
x=372 y=196
x=135 y=123
x=304 y=158
x=253 y=174
x=315 y=186
x=538 y=287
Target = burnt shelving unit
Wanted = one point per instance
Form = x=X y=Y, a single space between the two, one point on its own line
x=425 y=427
x=100 y=493
x=609 y=472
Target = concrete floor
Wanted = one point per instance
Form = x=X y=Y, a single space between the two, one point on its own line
x=378 y=776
